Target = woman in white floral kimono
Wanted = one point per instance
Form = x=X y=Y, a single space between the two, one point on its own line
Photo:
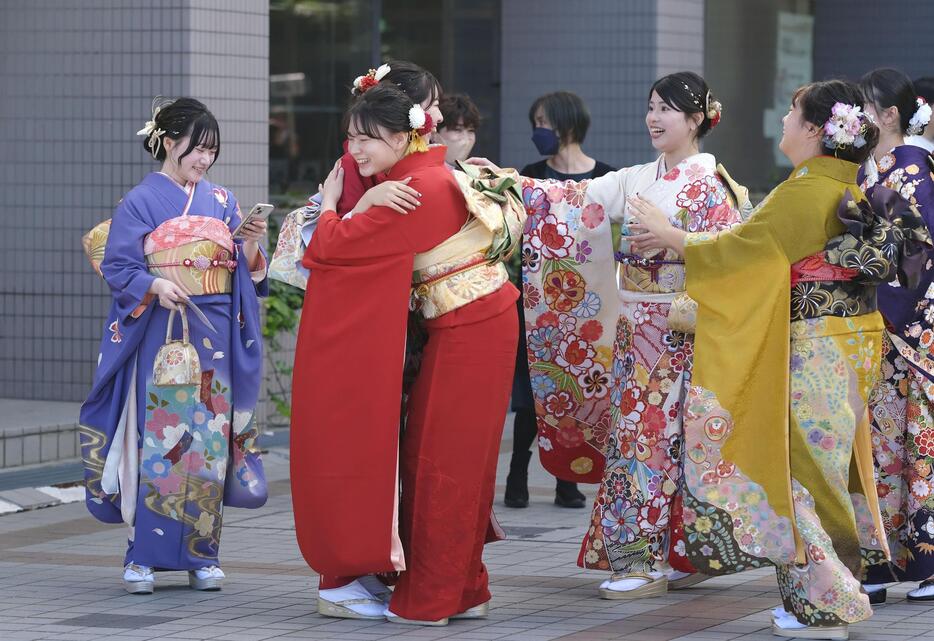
x=609 y=364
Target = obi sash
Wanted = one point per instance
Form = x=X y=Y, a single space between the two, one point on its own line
x=195 y=252
x=469 y=265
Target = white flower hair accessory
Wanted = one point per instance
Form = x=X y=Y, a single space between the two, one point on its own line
x=150 y=130
x=921 y=117
x=845 y=127
x=369 y=80
x=417 y=117
x=421 y=125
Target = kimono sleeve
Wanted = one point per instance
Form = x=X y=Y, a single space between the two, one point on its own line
x=374 y=233
x=923 y=197
x=258 y=274
x=124 y=265
x=355 y=185
x=736 y=415
x=569 y=280
x=610 y=191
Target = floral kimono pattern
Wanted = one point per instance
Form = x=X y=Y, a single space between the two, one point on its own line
x=778 y=463
x=166 y=458
x=903 y=403
x=632 y=388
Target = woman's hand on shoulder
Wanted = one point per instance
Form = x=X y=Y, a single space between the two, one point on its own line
x=395 y=194
x=482 y=162
x=332 y=188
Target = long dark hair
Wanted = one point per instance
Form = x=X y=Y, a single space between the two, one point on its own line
x=186 y=117
x=687 y=92
x=891 y=88
x=816 y=101
x=384 y=105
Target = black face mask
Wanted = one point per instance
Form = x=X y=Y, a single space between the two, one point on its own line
x=545 y=140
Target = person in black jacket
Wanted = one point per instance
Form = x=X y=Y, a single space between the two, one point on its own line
x=560 y=121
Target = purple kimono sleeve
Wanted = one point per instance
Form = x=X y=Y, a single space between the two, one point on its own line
x=262 y=286
x=124 y=265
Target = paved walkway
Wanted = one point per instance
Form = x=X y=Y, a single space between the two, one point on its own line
x=60 y=569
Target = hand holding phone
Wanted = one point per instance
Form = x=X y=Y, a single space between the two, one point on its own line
x=260 y=211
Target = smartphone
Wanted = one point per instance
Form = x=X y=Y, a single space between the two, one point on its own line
x=260 y=211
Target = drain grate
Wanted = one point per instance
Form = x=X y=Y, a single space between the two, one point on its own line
x=117 y=621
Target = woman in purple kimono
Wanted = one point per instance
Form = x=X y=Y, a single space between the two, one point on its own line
x=903 y=403
x=168 y=438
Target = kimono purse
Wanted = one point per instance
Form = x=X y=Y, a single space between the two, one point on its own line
x=177 y=362
x=286 y=263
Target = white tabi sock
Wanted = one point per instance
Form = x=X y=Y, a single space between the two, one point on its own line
x=354 y=591
x=624 y=585
x=922 y=591
x=785 y=620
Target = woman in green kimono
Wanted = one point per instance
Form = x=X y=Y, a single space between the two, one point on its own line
x=778 y=464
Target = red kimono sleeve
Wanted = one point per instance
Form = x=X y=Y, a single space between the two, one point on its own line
x=345 y=397
x=355 y=185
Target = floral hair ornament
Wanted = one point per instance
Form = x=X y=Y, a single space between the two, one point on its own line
x=421 y=124
x=846 y=126
x=713 y=110
x=150 y=130
x=921 y=117
x=372 y=78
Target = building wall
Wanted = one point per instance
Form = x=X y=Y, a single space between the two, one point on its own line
x=78 y=80
x=606 y=54
x=679 y=25
x=853 y=38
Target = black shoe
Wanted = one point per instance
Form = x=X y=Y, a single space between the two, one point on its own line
x=567 y=495
x=517 y=481
x=878 y=597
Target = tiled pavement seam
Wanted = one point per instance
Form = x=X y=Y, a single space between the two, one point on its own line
x=58 y=564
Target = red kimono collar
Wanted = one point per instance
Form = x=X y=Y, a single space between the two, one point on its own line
x=433 y=157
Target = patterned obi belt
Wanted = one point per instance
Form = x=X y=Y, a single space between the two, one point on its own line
x=196 y=252
x=442 y=288
x=657 y=274
x=821 y=288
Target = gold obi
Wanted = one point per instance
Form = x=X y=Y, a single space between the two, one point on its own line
x=196 y=252
x=444 y=287
x=203 y=267
x=662 y=275
x=659 y=281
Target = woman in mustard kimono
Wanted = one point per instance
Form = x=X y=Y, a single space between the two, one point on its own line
x=778 y=463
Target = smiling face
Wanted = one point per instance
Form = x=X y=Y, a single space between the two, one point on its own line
x=669 y=129
x=430 y=105
x=375 y=155
x=193 y=166
x=800 y=139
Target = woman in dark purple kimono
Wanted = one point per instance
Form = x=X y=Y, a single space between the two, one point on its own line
x=903 y=403
x=166 y=454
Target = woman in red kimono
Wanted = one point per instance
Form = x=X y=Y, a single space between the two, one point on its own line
x=346 y=453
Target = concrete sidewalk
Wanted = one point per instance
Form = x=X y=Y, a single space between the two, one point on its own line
x=60 y=579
